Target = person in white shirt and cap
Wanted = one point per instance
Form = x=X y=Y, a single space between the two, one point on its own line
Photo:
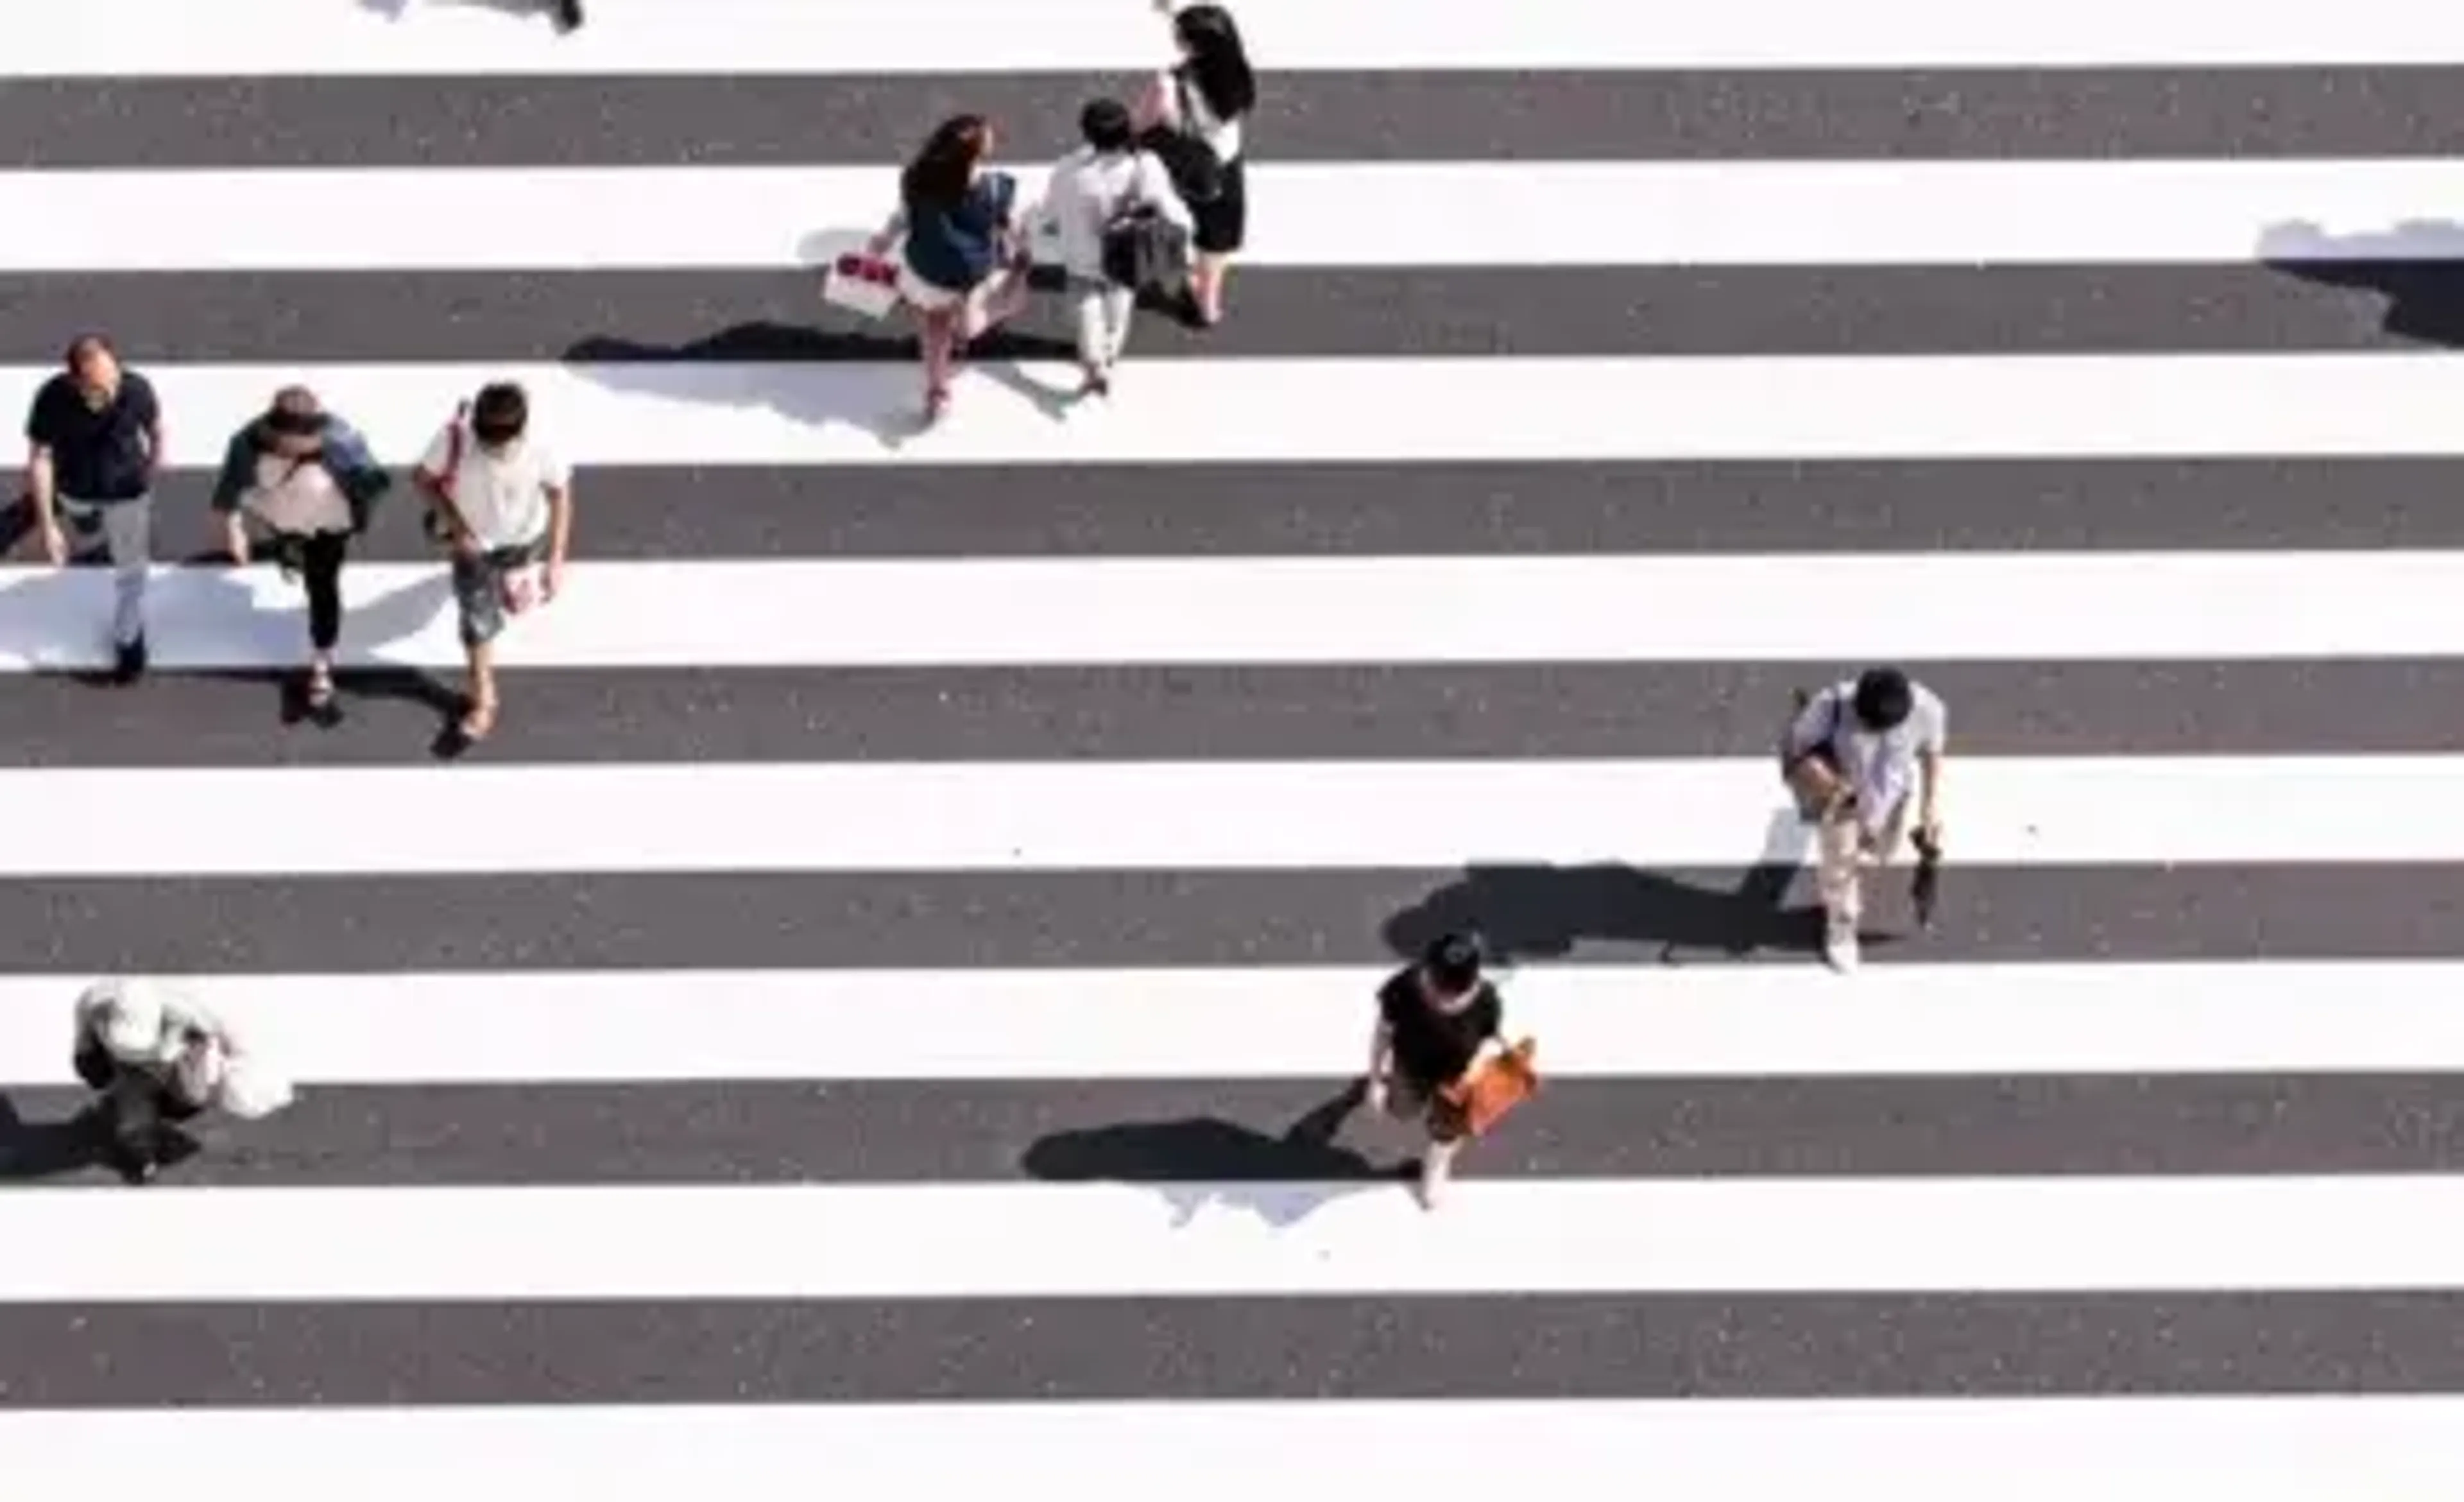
x=157 y=1058
x=1860 y=757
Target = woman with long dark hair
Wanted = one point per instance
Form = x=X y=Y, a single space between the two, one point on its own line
x=960 y=268
x=1210 y=95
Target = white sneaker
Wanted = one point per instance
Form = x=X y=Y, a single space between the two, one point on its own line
x=1839 y=948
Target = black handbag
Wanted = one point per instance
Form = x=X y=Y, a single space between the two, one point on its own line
x=1145 y=251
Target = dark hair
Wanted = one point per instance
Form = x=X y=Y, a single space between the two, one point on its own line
x=499 y=413
x=1453 y=961
x=1104 y=125
x=1883 y=699
x=940 y=176
x=1219 y=65
x=84 y=348
x=295 y=413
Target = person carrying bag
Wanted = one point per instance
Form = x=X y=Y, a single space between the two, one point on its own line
x=156 y=1060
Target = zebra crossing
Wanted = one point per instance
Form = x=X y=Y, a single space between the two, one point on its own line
x=847 y=1023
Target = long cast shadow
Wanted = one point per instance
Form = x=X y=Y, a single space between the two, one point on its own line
x=1191 y=1160
x=68 y=1146
x=2418 y=266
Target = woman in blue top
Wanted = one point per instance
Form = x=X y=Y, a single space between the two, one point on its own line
x=307 y=480
x=962 y=269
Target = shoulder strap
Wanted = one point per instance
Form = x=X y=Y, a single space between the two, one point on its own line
x=454 y=441
x=1181 y=95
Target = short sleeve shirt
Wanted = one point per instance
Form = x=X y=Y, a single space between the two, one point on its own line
x=96 y=455
x=503 y=497
x=1883 y=768
x=1433 y=1047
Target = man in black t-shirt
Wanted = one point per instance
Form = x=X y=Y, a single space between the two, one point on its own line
x=94 y=447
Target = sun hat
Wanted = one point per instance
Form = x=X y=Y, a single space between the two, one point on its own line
x=128 y=1020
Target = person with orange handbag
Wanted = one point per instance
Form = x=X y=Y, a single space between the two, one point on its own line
x=1439 y=1055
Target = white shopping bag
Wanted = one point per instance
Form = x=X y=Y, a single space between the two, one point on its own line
x=252 y=1092
x=864 y=285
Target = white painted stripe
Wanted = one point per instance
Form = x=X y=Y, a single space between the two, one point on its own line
x=1372 y=214
x=1299 y=411
x=1972 y=606
x=1183 y=816
x=2047 y=1235
x=2299 y=1449
x=152 y=38
x=1665 y=1022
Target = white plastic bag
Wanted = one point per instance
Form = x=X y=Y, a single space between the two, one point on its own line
x=864 y=285
x=250 y=1090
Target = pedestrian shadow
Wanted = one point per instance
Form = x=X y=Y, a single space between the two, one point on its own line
x=397 y=10
x=869 y=381
x=2418 y=266
x=69 y=1144
x=372 y=625
x=1550 y=912
x=1195 y=1161
x=54 y=619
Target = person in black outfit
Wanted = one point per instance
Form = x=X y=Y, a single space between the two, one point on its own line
x=94 y=447
x=1437 y=1022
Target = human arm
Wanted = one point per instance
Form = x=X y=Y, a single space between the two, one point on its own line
x=1153 y=186
x=1929 y=759
x=40 y=477
x=896 y=225
x=433 y=476
x=559 y=479
x=239 y=458
x=1381 y=1063
x=149 y=418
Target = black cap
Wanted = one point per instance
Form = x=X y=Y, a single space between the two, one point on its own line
x=1454 y=960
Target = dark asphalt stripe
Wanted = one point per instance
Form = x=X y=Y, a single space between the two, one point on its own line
x=1276 y=712
x=366 y=926
x=1701 y=1346
x=1170 y=511
x=1197 y=1131
x=1603 y=116
x=606 y=318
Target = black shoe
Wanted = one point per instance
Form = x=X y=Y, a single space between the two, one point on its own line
x=568 y=16
x=131 y=665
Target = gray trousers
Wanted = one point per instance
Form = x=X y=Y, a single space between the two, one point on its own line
x=1102 y=314
x=127 y=531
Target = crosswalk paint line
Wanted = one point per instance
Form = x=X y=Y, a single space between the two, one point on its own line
x=882 y=818
x=919 y=613
x=2127 y=1448
x=520 y=922
x=1304 y=1022
x=980 y=1241
x=1335 y=411
x=1369 y=214
x=256 y=38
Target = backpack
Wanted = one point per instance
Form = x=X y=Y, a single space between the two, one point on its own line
x=1789 y=757
x=1197 y=171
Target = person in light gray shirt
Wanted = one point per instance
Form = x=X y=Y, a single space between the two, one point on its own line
x=1861 y=758
x=1091 y=190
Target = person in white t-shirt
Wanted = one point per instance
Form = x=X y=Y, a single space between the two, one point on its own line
x=504 y=503
x=1859 y=757
x=1089 y=192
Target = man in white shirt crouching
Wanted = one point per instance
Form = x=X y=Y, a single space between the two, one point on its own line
x=504 y=501
x=1853 y=757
